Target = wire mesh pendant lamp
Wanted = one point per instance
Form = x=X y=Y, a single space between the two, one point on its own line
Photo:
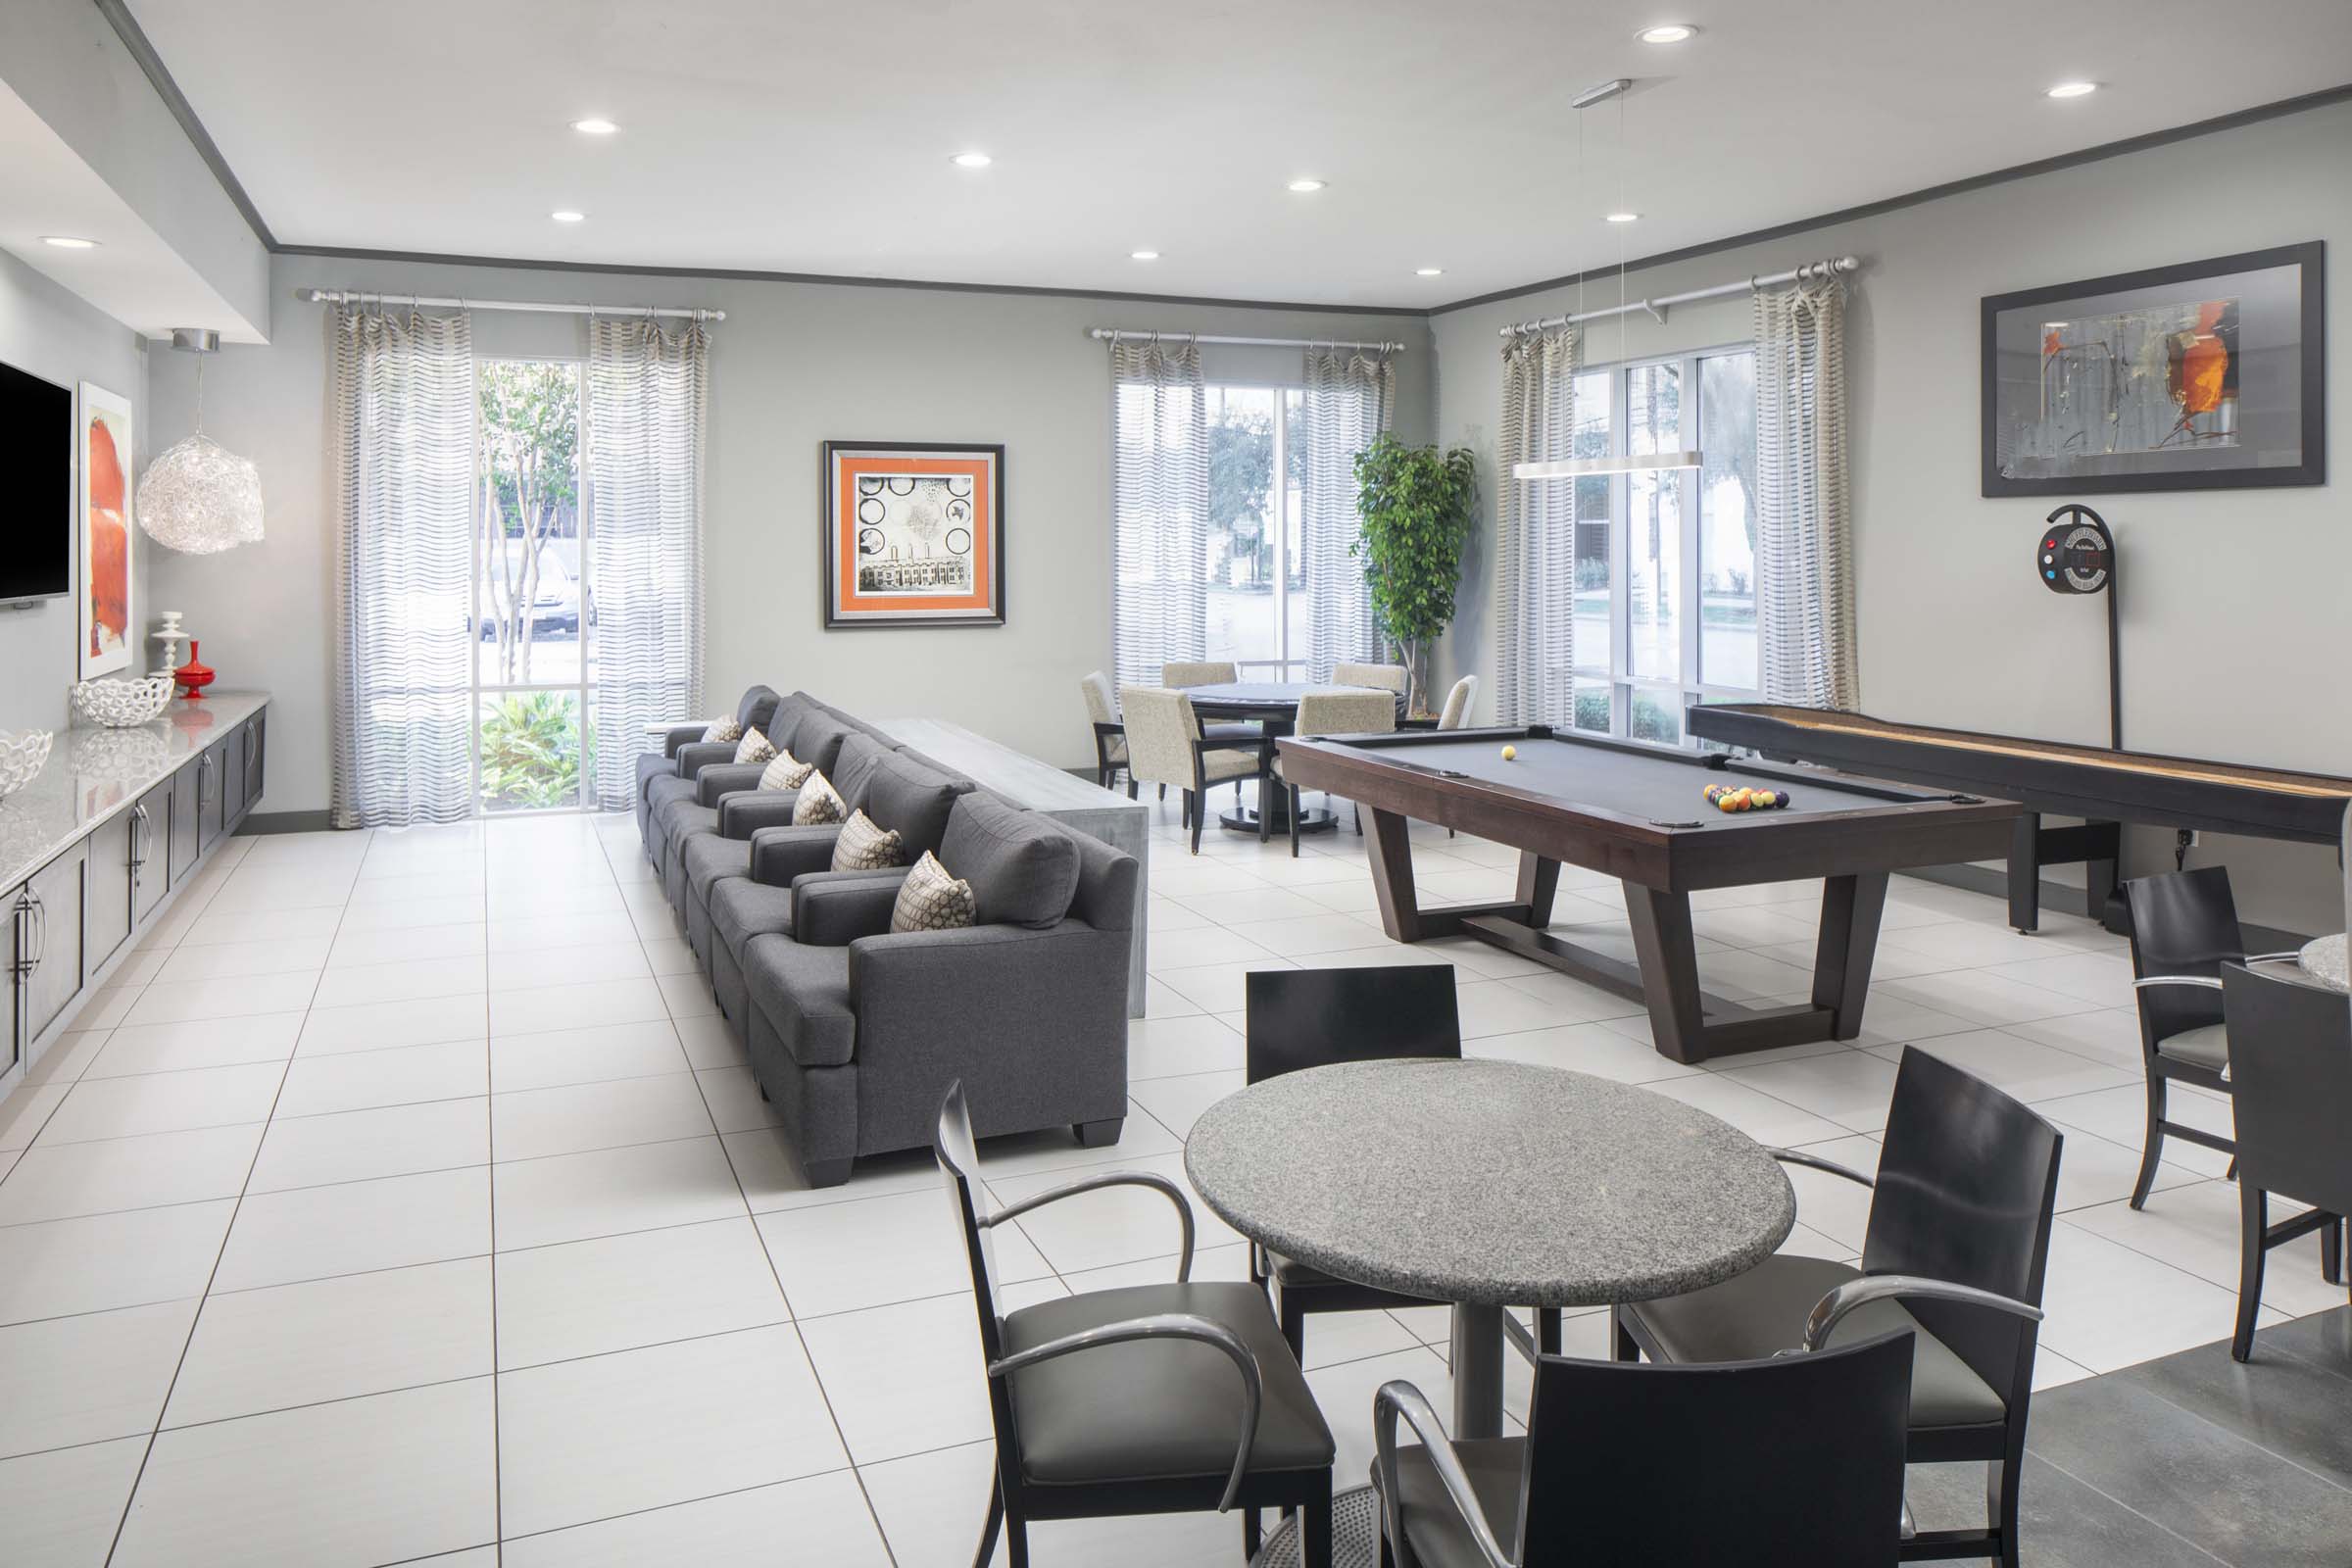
x=198 y=497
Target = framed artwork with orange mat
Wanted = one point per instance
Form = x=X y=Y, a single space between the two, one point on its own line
x=913 y=534
x=2205 y=376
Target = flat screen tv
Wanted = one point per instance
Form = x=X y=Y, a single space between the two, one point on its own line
x=36 y=488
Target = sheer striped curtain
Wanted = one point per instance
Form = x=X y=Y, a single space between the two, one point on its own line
x=1804 y=522
x=1160 y=508
x=404 y=408
x=1534 y=540
x=1350 y=396
x=649 y=395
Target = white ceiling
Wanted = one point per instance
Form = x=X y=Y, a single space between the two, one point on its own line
x=815 y=137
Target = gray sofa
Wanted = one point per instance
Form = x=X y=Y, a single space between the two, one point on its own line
x=685 y=752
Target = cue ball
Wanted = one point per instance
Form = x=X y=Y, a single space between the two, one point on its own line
x=1509 y=753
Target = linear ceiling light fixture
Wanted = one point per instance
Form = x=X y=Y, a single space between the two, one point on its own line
x=1632 y=462
x=974 y=160
x=1306 y=187
x=2072 y=89
x=594 y=125
x=70 y=243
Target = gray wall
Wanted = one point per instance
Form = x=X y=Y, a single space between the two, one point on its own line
x=52 y=333
x=2234 y=603
x=793 y=365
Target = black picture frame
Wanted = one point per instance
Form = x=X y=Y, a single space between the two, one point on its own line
x=986 y=605
x=2308 y=383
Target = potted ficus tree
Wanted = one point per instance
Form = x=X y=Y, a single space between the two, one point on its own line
x=1418 y=507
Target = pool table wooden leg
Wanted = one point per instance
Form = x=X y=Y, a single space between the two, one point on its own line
x=1538 y=886
x=1851 y=909
x=1668 y=951
x=1389 y=846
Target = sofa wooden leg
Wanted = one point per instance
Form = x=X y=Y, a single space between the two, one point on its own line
x=1097 y=1134
x=826 y=1172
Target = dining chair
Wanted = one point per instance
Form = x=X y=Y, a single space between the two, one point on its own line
x=1790 y=1461
x=1213 y=672
x=1955 y=1249
x=1385 y=677
x=2291 y=1058
x=2183 y=929
x=1333 y=713
x=1165 y=746
x=1110 y=736
x=1459 y=703
x=1177 y=1398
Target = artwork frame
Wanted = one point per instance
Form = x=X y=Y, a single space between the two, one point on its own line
x=106 y=620
x=877 y=499
x=2241 y=344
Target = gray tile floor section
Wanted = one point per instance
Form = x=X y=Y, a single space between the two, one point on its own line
x=404 y=1200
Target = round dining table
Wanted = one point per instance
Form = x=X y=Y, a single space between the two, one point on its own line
x=2323 y=959
x=1274 y=704
x=1490 y=1184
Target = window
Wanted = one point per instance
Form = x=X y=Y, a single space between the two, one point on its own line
x=1257 y=601
x=1665 y=560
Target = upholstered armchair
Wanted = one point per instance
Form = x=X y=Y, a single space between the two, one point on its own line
x=1335 y=712
x=1380 y=677
x=1165 y=746
x=1211 y=672
x=1110 y=736
x=754 y=711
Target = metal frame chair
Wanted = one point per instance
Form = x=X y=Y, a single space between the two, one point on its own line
x=1016 y=1501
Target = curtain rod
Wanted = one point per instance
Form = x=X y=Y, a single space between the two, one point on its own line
x=1114 y=334
x=1811 y=271
x=353 y=296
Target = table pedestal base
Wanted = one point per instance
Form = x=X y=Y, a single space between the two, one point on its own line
x=1478 y=1348
x=1276 y=801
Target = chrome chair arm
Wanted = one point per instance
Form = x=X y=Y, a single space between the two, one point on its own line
x=1400 y=1399
x=2273 y=958
x=2203 y=982
x=1795 y=1157
x=1165 y=1326
x=1831 y=1309
x=1116 y=1178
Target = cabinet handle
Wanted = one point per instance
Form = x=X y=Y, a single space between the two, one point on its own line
x=40 y=930
x=204 y=768
x=138 y=839
x=21 y=962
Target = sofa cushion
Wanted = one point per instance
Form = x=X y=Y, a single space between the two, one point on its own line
x=819 y=803
x=652 y=766
x=819 y=739
x=742 y=909
x=711 y=857
x=854 y=772
x=805 y=995
x=912 y=795
x=1023 y=867
x=863 y=847
x=930 y=899
x=785 y=721
x=665 y=787
x=785 y=771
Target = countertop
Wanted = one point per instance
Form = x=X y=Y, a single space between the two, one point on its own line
x=94 y=774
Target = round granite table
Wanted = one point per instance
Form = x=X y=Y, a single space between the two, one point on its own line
x=1273 y=704
x=1490 y=1184
x=2325 y=961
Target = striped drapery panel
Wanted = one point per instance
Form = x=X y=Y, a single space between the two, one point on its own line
x=1160 y=508
x=403 y=457
x=649 y=394
x=1804 y=524
x=1350 y=396
x=1534 y=538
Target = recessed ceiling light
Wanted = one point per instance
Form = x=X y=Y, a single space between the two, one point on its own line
x=971 y=159
x=1143 y=256
x=1625 y=218
x=1668 y=33
x=1303 y=187
x=2073 y=89
x=594 y=128
x=1428 y=272
x=70 y=243
x=567 y=216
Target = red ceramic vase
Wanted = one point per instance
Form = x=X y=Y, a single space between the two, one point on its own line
x=193 y=677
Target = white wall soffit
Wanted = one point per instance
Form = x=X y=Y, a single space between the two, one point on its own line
x=132 y=275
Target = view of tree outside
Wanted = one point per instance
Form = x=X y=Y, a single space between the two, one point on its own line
x=1244 y=514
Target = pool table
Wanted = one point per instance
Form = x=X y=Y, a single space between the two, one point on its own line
x=1639 y=812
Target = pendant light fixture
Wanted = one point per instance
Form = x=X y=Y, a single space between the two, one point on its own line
x=1637 y=462
x=198 y=498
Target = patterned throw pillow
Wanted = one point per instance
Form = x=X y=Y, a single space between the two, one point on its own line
x=865 y=846
x=756 y=748
x=722 y=729
x=786 y=772
x=930 y=899
x=819 y=803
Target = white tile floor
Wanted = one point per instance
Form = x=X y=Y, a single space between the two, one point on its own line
x=407 y=1201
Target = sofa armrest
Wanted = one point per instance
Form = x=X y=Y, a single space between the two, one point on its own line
x=695 y=756
x=780 y=853
x=680 y=736
x=745 y=812
x=833 y=908
x=725 y=778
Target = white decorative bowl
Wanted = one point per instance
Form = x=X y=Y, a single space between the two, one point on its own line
x=116 y=704
x=22 y=755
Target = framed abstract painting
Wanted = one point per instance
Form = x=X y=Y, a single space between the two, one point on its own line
x=2207 y=375
x=108 y=635
x=913 y=534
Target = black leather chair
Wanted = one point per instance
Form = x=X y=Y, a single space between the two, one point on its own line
x=1146 y=1398
x=2183 y=929
x=1958 y=1237
x=1796 y=1460
x=2291 y=1056
x=1311 y=1018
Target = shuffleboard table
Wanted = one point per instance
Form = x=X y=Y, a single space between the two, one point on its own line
x=1639 y=812
x=2103 y=787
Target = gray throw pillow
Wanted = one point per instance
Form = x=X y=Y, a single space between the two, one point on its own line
x=1023 y=867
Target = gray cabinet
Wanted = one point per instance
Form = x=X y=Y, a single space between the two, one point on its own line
x=53 y=974
x=113 y=858
x=22 y=941
x=151 y=851
x=181 y=838
x=211 y=770
x=253 y=740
